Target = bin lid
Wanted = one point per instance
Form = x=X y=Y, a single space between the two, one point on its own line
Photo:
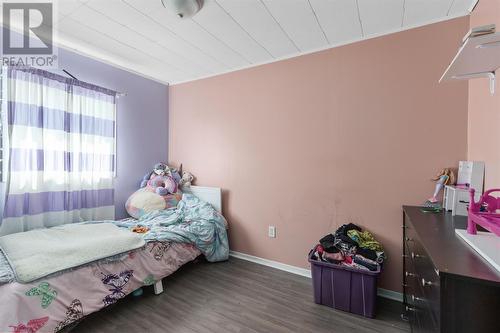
x=345 y=268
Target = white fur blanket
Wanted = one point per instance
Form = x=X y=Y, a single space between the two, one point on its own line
x=37 y=253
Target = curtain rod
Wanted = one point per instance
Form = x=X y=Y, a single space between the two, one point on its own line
x=118 y=94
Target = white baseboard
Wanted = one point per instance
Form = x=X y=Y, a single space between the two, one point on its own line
x=271 y=263
x=394 y=295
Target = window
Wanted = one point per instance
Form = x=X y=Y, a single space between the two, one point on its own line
x=60 y=148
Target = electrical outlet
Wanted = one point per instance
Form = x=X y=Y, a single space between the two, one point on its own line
x=272 y=231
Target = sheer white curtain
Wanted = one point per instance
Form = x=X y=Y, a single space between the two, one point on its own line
x=59 y=147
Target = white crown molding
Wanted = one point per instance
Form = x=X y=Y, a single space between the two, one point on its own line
x=330 y=46
x=86 y=51
x=396 y=296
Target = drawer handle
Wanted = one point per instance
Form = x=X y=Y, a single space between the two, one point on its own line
x=404 y=226
x=415 y=298
x=408 y=239
x=410 y=309
x=410 y=274
x=426 y=283
x=405 y=256
x=416 y=255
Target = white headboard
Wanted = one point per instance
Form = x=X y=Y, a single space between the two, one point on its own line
x=212 y=195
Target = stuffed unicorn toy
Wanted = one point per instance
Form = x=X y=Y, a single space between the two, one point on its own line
x=160 y=180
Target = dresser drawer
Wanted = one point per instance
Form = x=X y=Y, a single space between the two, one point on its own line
x=464 y=295
x=421 y=306
x=420 y=314
x=422 y=284
x=423 y=321
x=428 y=278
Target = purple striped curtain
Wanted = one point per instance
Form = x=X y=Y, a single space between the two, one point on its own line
x=59 y=150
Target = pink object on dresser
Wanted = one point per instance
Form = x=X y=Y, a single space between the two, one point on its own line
x=489 y=220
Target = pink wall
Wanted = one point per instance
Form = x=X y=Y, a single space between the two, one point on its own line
x=484 y=109
x=310 y=143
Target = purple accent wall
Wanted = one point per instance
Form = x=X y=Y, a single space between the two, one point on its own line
x=142 y=120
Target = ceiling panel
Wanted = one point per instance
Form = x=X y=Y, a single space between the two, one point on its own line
x=90 y=37
x=110 y=51
x=253 y=17
x=146 y=6
x=227 y=35
x=298 y=19
x=151 y=32
x=105 y=23
x=339 y=19
x=381 y=15
x=138 y=19
x=64 y=7
x=193 y=33
x=219 y=23
x=460 y=7
x=418 y=11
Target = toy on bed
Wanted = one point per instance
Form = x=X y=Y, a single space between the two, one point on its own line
x=140 y=229
x=161 y=179
x=488 y=219
x=186 y=180
x=159 y=190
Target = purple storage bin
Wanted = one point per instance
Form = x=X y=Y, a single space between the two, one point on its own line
x=344 y=288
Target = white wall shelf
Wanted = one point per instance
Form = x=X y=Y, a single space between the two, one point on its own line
x=479 y=56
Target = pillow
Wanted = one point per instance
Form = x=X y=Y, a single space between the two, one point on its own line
x=145 y=200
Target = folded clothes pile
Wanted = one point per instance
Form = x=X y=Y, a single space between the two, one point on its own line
x=350 y=246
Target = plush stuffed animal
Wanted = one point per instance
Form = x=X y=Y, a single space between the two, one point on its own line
x=186 y=180
x=163 y=185
x=175 y=175
x=160 y=180
x=159 y=169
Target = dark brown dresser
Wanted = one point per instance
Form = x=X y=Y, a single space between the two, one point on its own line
x=447 y=286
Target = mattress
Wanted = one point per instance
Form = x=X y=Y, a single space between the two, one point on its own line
x=51 y=303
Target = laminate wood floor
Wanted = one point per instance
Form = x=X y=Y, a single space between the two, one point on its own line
x=234 y=296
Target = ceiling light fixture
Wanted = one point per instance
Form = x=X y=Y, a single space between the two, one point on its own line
x=183 y=8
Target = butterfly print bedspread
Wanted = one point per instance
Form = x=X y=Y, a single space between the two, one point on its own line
x=158 y=249
x=53 y=303
x=45 y=292
x=116 y=284
x=73 y=314
x=31 y=326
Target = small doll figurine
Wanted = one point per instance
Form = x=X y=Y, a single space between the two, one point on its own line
x=445 y=177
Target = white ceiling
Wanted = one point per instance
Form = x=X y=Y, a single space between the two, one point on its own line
x=226 y=35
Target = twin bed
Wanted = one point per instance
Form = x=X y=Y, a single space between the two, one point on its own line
x=176 y=236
